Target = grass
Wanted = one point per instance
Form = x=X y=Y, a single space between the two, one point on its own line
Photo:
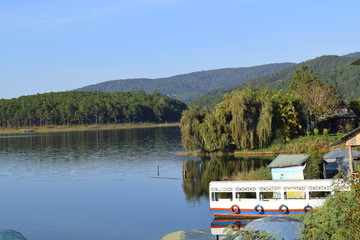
x=299 y=145
x=262 y=173
x=76 y=128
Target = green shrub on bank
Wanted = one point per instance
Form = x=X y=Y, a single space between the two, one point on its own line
x=338 y=218
x=302 y=144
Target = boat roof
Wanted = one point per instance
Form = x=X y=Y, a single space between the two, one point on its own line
x=277 y=183
x=288 y=160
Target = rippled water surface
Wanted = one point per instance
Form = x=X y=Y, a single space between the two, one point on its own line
x=99 y=185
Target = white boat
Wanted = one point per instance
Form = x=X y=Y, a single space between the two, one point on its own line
x=269 y=197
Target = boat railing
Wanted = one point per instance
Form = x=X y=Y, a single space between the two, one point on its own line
x=270 y=193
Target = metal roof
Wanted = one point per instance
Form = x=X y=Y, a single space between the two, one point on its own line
x=288 y=160
x=345 y=138
x=340 y=153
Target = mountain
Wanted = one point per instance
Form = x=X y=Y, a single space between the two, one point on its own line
x=336 y=70
x=353 y=55
x=187 y=87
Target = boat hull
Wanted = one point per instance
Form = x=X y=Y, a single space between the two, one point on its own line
x=226 y=212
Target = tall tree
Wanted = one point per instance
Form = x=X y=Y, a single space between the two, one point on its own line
x=265 y=122
x=190 y=129
x=245 y=109
x=320 y=101
x=215 y=130
x=287 y=118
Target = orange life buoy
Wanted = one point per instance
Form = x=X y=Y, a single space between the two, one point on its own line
x=308 y=208
x=258 y=208
x=235 y=208
x=283 y=209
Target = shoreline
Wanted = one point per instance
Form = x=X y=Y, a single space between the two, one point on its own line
x=238 y=154
x=81 y=128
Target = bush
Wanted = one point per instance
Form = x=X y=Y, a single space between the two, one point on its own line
x=326 y=131
x=338 y=218
x=312 y=169
x=263 y=173
x=316 y=131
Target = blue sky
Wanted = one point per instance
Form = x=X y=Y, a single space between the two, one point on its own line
x=52 y=45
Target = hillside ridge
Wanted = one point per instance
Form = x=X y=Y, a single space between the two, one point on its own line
x=212 y=84
x=189 y=86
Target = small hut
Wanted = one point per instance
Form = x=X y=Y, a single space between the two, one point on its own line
x=338 y=161
x=288 y=166
x=351 y=139
x=344 y=117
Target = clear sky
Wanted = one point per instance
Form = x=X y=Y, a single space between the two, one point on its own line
x=58 y=45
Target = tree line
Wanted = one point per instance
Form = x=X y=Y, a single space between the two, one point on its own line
x=75 y=107
x=252 y=118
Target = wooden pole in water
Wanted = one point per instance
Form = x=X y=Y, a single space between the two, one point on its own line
x=183 y=170
x=350 y=163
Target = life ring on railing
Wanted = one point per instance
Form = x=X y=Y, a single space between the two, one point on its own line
x=235 y=208
x=283 y=209
x=308 y=208
x=259 y=209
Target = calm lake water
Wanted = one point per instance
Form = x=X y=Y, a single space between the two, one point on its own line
x=100 y=185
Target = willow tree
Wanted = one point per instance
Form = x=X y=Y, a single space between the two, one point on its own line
x=246 y=118
x=190 y=129
x=264 y=128
x=245 y=108
x=215 y=130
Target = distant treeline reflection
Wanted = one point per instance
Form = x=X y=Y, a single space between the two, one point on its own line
x=199 y=173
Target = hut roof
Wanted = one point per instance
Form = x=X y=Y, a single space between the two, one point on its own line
x=346 y=137
x=288 y=160
x=340 y=153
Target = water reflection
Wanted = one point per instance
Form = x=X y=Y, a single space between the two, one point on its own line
x=11 y=235
x=124 y=150
x=218 y=226
x=199 y=173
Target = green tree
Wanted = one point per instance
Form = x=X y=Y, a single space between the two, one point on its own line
x=355 y=106
x=264 y=128
x=245 y=109
x=86 y=108
x=320 y=101
x=190 y=129
x=287 y=117
x=215 y=131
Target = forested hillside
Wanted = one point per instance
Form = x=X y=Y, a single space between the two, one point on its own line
x=66 y=108
x=187 y=87
x=335 y=70
x=353 y=55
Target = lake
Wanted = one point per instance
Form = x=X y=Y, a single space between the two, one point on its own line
x=102 y=185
